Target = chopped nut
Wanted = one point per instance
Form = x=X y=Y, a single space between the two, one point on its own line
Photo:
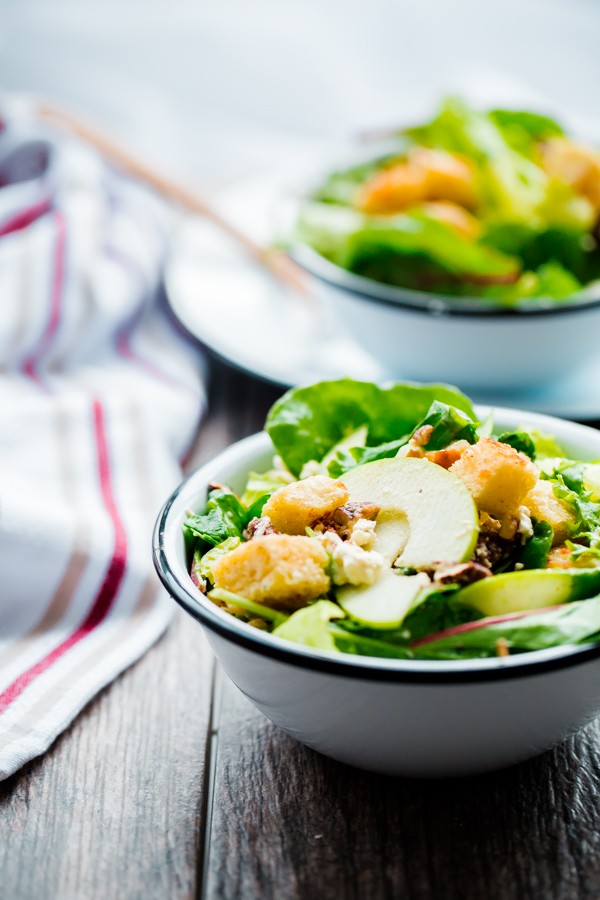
x=421 y=436
x=259 y=527
x=489 y=524
x=444 y=458
x=459 y=573
x=491 y=549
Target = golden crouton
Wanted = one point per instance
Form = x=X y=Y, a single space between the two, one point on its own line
x=281 y=571
x=457 y=217
x=497 y=475
x=560 y=558
x=447 y=176
x=579 y=166
x=427 y=175
x=295 y=506
x=542 y=503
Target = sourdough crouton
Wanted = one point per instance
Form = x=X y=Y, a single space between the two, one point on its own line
x=576 y=164
x=497 y=475
x=281 y=571
x=427 y=175
x=295 y=506
x=560 y=558
x=542 y=503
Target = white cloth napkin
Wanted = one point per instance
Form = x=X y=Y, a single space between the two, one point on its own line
x=99 y=400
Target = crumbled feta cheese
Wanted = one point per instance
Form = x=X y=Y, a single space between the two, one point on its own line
x=312 y=467
x=363 y=532
x=350 y=564
x=525 y=527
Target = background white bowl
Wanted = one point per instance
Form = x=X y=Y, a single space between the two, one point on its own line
x=465 y=341
x=399 y=717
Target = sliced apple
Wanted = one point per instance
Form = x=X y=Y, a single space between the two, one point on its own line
x=427 y=514
x=385 y=603
x=531 y=589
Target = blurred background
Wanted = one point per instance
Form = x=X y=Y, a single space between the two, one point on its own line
x=219 y=90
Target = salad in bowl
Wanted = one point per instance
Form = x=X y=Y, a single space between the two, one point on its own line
x=397 y=522
x=499 y=205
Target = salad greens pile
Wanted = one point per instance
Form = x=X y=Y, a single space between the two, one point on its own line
x=513 y=222
x=541 y=591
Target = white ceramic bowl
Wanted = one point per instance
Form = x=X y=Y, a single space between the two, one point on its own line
x=412 y=718
x=466 y=341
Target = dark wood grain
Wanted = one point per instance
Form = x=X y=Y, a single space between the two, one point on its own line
x=290 y=823
x=171 y=785
x=113 y=810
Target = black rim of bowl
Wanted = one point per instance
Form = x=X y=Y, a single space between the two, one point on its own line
x=358 y=667
x=423 y=303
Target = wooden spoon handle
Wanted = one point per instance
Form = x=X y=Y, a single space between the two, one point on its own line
x=278 y=262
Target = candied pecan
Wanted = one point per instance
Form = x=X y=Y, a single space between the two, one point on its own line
x=422 y=435
x=355 y=510
x=459 y=573
x=491 y=549
x=444 y=458
x=259 y=528
x=343 y=519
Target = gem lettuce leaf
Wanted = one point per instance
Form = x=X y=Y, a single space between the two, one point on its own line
x=307 y=422
x=225 y=517
x=572 y=623
x=448 y=423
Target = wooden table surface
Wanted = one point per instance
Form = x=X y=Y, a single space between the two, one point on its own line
x=171 y=785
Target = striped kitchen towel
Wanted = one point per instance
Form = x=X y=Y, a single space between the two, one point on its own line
x=99 y=400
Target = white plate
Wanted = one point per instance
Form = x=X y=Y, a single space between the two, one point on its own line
x=225 y=301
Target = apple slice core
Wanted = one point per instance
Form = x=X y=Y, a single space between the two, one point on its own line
x=427 y=514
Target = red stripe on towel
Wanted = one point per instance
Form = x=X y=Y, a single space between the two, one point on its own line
x=25 y=217
x=112 y=580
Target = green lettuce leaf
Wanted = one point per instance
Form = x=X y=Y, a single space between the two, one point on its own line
x=310 y=626
x=342 y=186
x=203 y=565
x=225 y=517
x=345 y=460
x=307 y=422
x=436 y=610
x=407 y=249
x=535 y=247
x=261 y=485
x=512 y=186
x=249 y=608
x=449 y=424
x=349 y=641
x=520 y=440
x=523 y=130
x=534 y=554
x=546 y=446
x=571 y=623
